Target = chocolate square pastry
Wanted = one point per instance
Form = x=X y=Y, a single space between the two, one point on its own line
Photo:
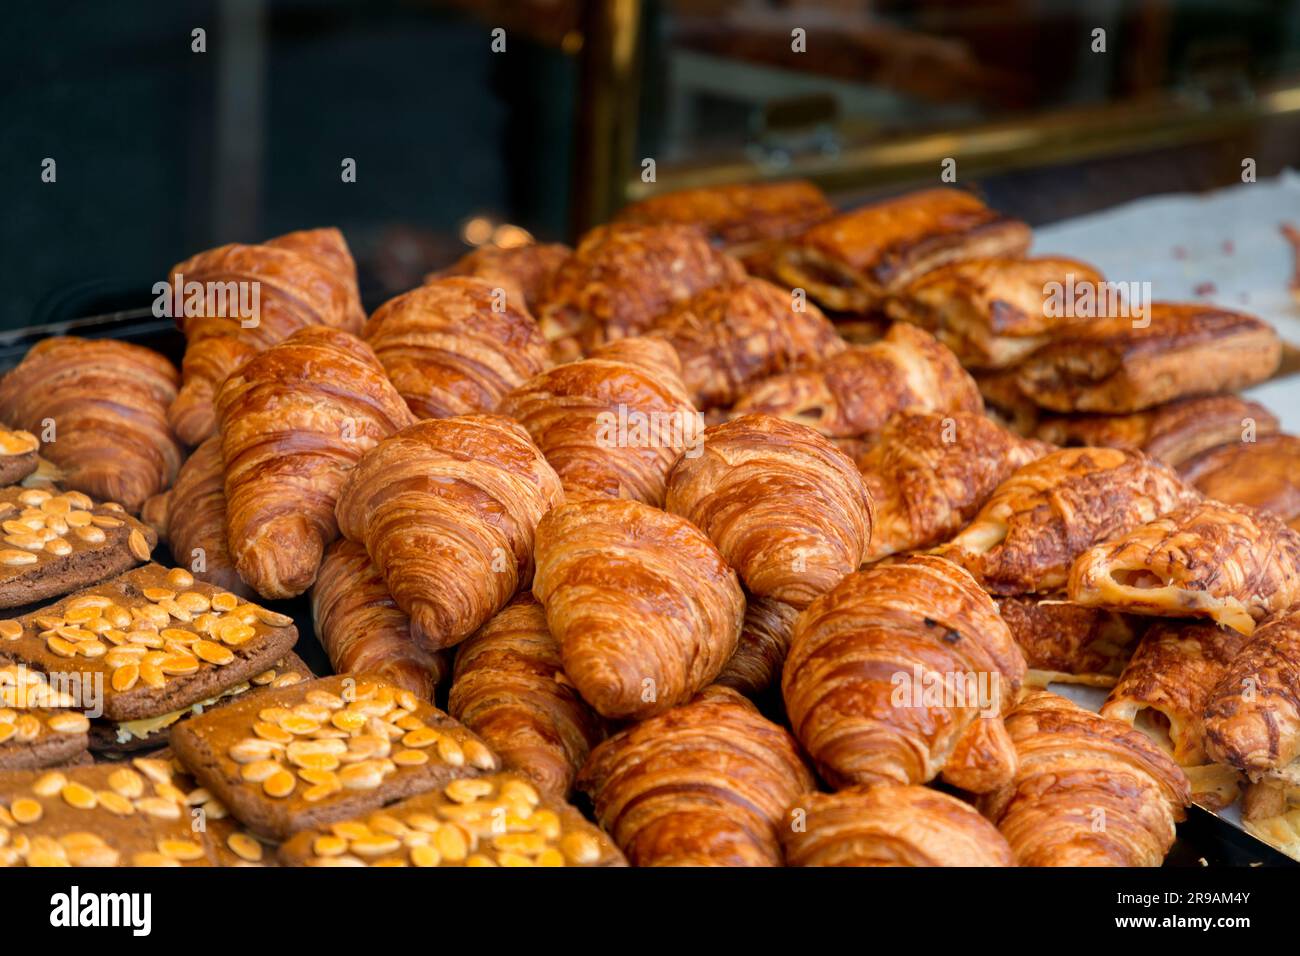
x=54 y=543
x=325 y=750
x=496 y=820
x=149 y=642
x=18 y=451
x=35 y=729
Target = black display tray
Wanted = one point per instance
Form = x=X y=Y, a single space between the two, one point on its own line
x=1203 y=838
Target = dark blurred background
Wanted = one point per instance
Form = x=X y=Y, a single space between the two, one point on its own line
x=162 y=151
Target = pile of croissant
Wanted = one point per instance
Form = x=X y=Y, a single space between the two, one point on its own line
x=755 y=580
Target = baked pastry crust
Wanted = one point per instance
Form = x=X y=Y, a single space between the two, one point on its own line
x=1264 y=474
x=782 y=504
x=304 y=278
x=644 y=608
x=703 y=784
x=294 y=420
x=857 y=260
x=863 y=659
x=1050 y=511
x=613 y=423
x=510 y=688
x=1252 y=717
x=1114 y=365
x=447 y=510
x=764 y=642
x=990 y=312
x=624 y=276
x=890 y=825
x=451 y=348
x=1088 y=791
x=1229 y=563
x=362 y=629
x=108 y=402
x=527 y=269
x=1067 y=644
x=856 y=391
x=731 y=336
x=1173 y=433
x=928 y=473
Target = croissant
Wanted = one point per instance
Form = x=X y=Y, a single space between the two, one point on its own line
x=1174 y=433
x=194 y=522
x=527 y=269
x=1006 y=404
x=100 y=409
x=1264 y=474
x=447 y=510
x=891 y=825
x=703 y=784
x=455 y=346
x=856 y=391
x=1049 y=511
x=784 y=506
x=363 y=631
x=294 y=421
x=1067 y=644
x=510 y=689
x=733 y=335
x=644 y=608
x=614 y=423
x=764 y=642
x=928 y=473
x=624 y=276
x=302 y=278
x=901 y=672
x=1252 y=716
x=1087 y=791
x=1229 y=563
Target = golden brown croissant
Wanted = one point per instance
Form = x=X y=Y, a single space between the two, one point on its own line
x=624 y=276
x=644 y=608
x=901 y=672
x=195 y=519
x=100 y=409
x=703 y=784
x=928 y=473
x=362 y=629
x=1229 y=563
x=1165 y=688
x=294 y=421
x=302 y=278
x=890 y=825
x=733 y=335
x=855 y=261
x=456 y=346
x=784 y=506
x=993 y=312
x=1067 y=644
x=1119 y=364
x=1048 y=512
x=1174 y=433
x=1252 y=716
x=447 y=510
x=528 y=269
x=1088 y=791
x=856 y=391
x=509 y=687
x=1005 y=403
x=1263 y=474
x=613 y=423
x=764 y=641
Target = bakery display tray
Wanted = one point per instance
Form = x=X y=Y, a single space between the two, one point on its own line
x=1203 y=838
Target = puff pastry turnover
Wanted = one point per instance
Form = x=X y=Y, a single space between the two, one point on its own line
x=855 y=392
x=991 y=312
x=901 y=672
x=855 y=261
x=1088 y=791
x=1264 y=474
x=891 y=825
x=1122 y=364
x=1229 y=563
x=1050 y=511
x=784 y=506
x=703 y=784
